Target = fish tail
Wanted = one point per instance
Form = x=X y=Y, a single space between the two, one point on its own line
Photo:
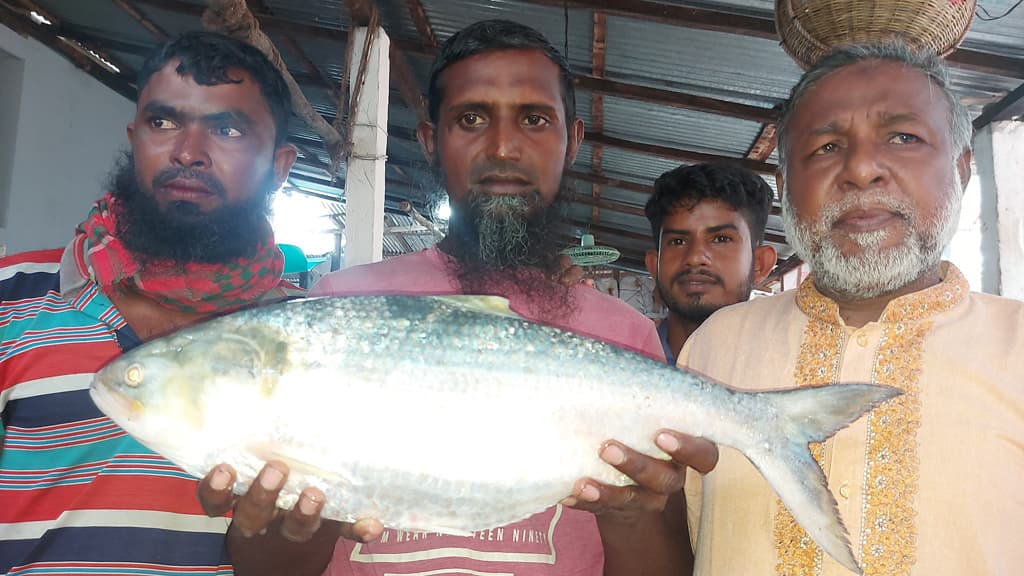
x=805 y=415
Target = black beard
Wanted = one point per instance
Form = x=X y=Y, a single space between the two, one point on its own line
x=497 y=242
x=695 y=311
x=181 y=232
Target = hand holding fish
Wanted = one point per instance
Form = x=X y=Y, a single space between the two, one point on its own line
x=262 y=534
x=656 y=479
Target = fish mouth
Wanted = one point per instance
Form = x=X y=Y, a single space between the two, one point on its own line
x=112 y=401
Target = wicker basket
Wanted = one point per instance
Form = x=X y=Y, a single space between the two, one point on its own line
x=810 y=28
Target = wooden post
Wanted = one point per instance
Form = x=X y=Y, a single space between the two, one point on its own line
x=364 y=179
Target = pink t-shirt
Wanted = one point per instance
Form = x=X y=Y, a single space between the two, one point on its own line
x=559 y=540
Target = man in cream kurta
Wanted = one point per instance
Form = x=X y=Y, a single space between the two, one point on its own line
x=937 y=477
x=874 y=154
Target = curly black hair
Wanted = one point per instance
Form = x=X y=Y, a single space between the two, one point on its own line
x=686 y=186
x=207 y=57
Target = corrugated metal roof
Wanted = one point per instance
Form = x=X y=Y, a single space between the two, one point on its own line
x=736 y=68
x=685 y=129
x=634 y=166
x=732 y=67
x=323 y=13
x=1004 y=36
x=449 y=16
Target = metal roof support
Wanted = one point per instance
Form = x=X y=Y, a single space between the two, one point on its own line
x=365 y=177
x=1011 y=106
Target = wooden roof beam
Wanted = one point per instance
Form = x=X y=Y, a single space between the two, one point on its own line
x=419 y=17
x=598 y=50
x=154 y=29
x=764 y=144
x=79 y=52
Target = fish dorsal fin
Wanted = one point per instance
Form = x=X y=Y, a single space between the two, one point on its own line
x=496 y=305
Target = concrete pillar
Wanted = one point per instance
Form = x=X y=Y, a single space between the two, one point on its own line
x=975 y=247
x=999 y=159
x=364 y=179
x=1008 y=162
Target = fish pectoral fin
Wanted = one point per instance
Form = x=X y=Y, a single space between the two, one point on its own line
x=298 y=464
x=480 y=303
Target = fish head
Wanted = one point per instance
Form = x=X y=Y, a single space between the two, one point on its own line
x=194 y=393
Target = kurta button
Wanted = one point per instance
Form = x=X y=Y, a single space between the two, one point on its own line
x=862 y=340
x=844 y=491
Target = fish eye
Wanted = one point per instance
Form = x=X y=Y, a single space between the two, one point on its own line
x=133 y=375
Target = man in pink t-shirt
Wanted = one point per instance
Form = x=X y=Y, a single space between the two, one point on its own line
x=501 y=135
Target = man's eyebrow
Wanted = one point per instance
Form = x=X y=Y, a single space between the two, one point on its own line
x=674 y=231
x=486 y=105
x=711 y=229
x=899 y=118
x=158 y=108
x=227 y=117
x=470 y=104
x=830 y=128
x=723 y=228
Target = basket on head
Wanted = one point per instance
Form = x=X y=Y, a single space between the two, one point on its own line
x=810 y=28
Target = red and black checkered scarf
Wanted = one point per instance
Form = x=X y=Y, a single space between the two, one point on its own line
x=189 y=287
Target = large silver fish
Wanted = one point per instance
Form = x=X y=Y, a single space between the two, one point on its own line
x=449 y=414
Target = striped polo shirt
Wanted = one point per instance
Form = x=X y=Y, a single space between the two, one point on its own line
x=77 y=494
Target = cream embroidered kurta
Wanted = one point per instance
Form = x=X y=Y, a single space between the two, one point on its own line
x=929 y=484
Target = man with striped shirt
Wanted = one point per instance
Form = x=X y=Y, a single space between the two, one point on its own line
x=181 y=235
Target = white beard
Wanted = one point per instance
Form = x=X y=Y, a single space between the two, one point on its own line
x=875 y=271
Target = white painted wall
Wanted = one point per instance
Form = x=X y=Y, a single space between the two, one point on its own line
x=70 y=128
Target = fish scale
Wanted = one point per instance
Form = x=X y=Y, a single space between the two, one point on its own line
x=468 y=417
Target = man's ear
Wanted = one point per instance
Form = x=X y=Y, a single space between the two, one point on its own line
x=284 y=157
x=575 y=139
x=130 y=130
x=425 y=133
x=764 y=260
x=780 y=183
x=651 y=261
x=963 y=167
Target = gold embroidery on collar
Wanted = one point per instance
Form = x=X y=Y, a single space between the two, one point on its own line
x=888 y=538
x=920 y=305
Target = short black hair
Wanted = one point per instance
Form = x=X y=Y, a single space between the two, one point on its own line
x=686 y=186
x=207 y=57
x=494 y=36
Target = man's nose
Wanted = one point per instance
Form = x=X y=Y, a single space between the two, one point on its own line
x=190 y=149
x=697 y=254
x=505 y=142
x=864 y=165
